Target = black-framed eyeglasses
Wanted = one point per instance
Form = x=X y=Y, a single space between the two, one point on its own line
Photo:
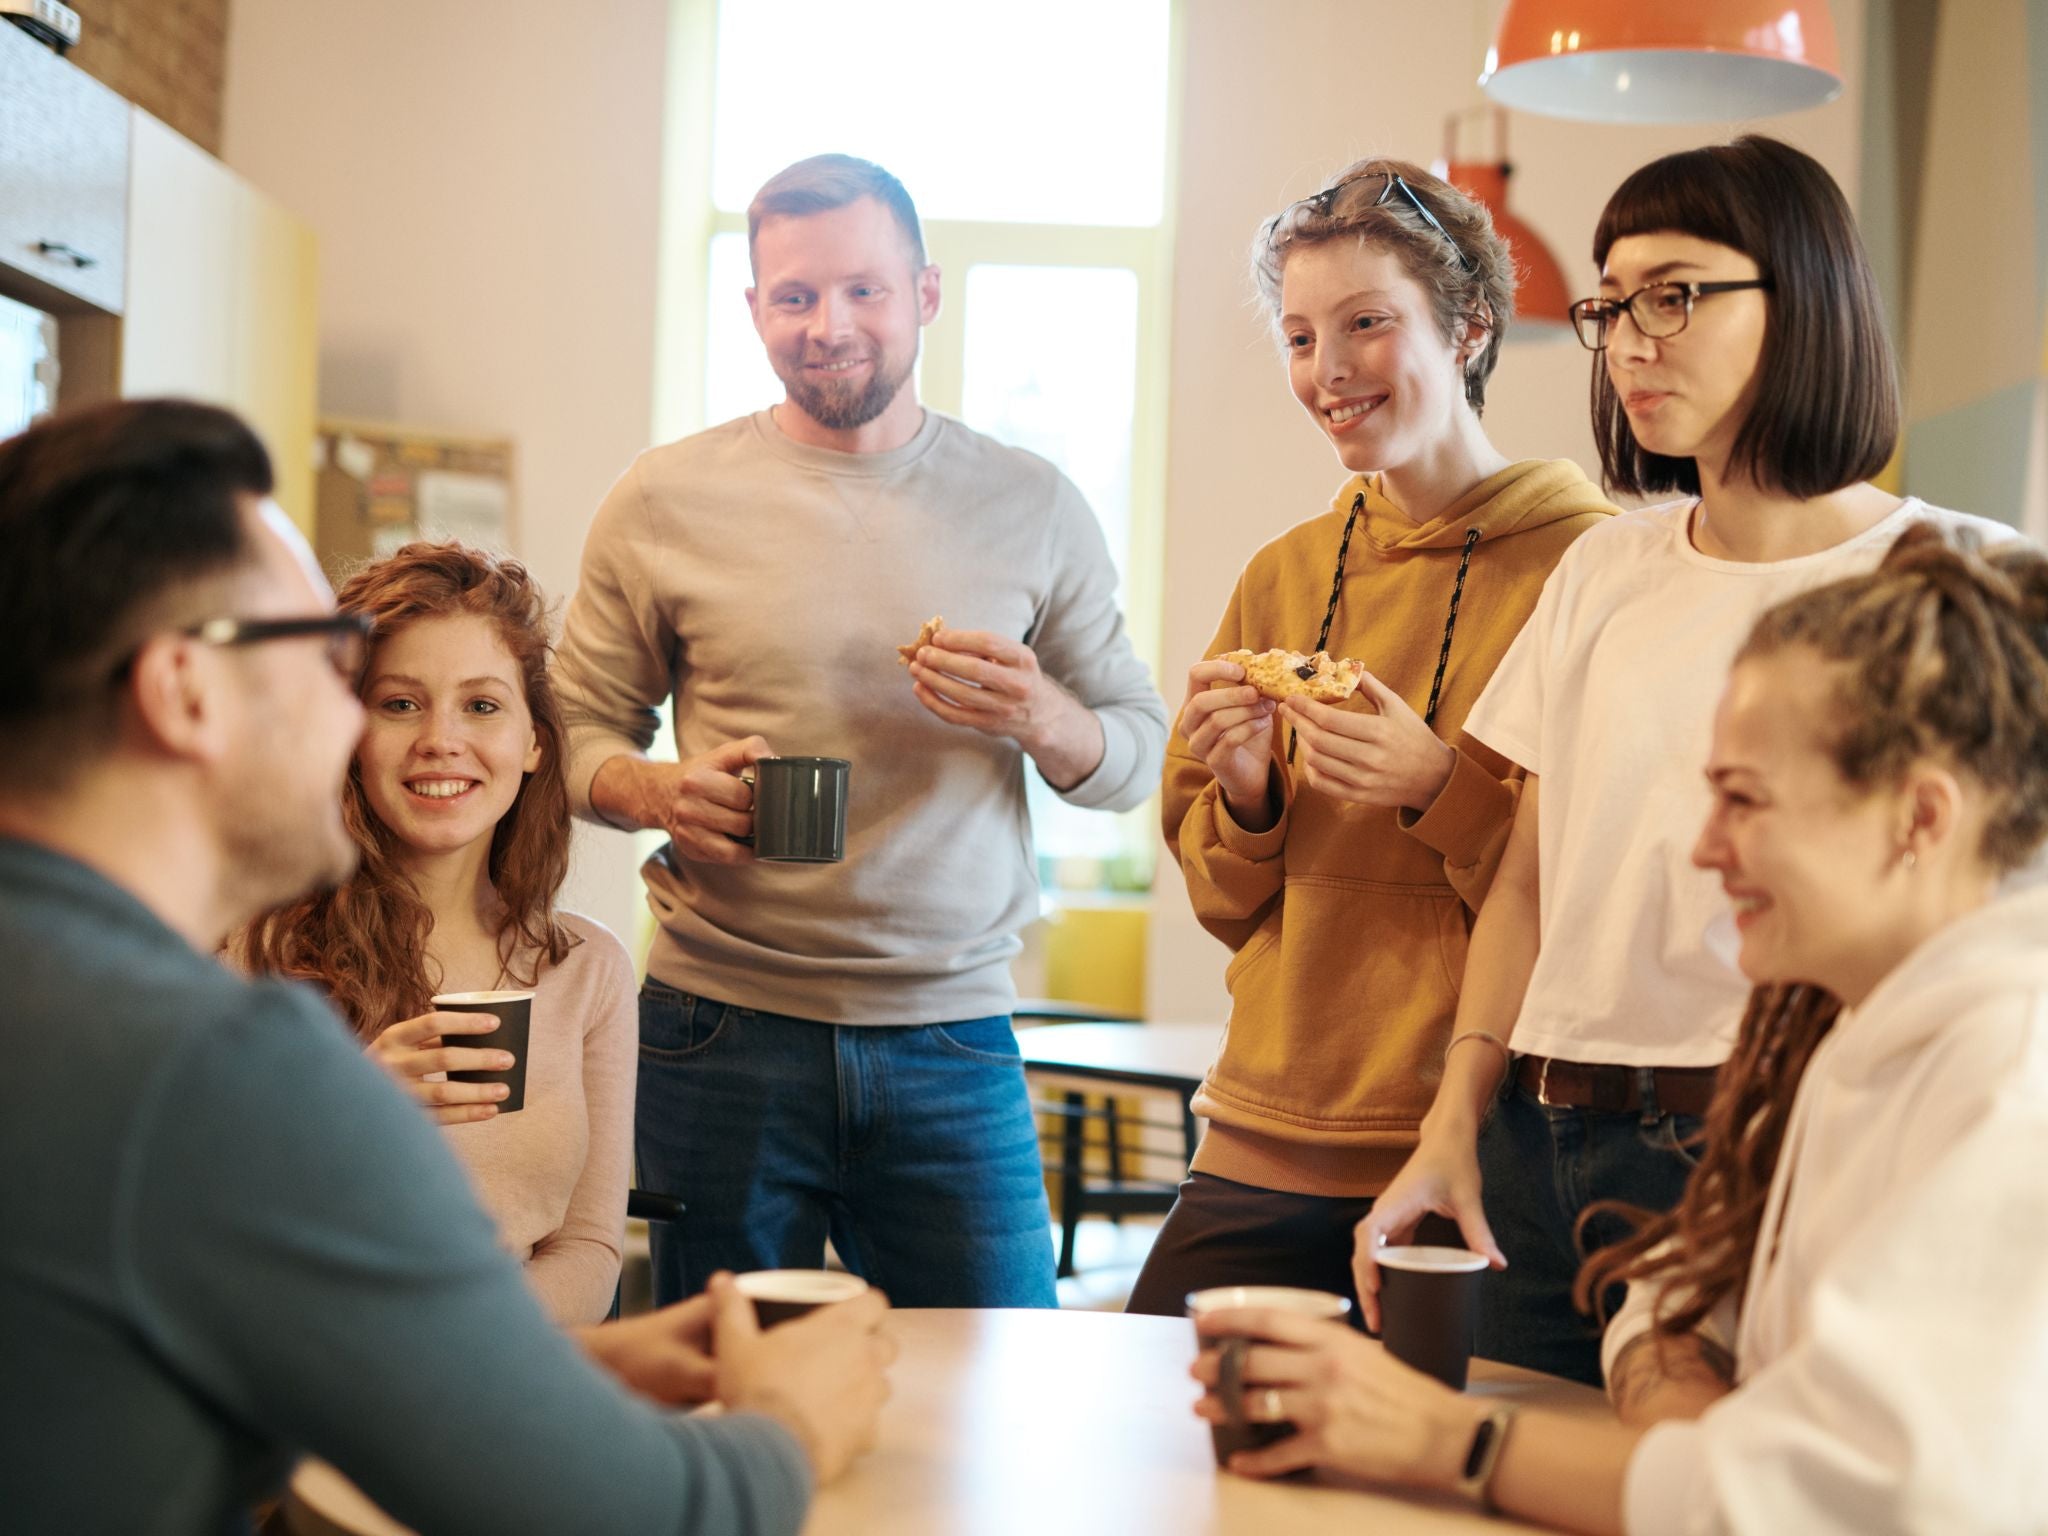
x=347 y=636
x=1660 y=310
x=1325 y=201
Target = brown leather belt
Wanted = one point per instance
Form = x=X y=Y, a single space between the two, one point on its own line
x=1611 y=1089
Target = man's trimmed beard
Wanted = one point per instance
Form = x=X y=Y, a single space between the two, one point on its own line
x=835 y=406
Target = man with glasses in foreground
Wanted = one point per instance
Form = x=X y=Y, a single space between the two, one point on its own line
x=228 y=1239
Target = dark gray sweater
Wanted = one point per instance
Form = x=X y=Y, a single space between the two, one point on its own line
x=225 y=1238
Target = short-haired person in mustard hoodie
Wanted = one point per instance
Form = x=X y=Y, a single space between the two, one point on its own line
x=1342 y=849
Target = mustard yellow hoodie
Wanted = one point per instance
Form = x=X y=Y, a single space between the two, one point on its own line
x=1350 y=922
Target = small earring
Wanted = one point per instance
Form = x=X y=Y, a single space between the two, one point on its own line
x=1907 y=858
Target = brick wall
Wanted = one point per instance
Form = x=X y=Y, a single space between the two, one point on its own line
x=169 y=57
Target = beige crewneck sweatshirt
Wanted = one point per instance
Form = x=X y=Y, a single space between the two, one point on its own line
x=765 y=585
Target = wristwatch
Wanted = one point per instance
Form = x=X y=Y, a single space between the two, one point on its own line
x=1476 y=1483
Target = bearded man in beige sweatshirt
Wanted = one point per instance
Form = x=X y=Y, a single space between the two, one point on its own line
x=826 y=1048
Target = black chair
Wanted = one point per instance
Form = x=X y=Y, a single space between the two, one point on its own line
x=1116 y=1196
x=646 y=1205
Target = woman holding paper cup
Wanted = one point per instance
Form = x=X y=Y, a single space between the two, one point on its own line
x=1742 y=367
x=457 y=805
x=1857 y=1247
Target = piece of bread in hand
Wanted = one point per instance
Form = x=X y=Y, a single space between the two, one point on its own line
x=906 y=654
x=1288 y=674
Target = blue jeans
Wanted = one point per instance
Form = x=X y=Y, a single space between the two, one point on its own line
x=1541 y=1168
x=913 y=1148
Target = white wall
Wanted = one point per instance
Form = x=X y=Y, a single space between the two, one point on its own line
x=482 y=176
x=1277 y=97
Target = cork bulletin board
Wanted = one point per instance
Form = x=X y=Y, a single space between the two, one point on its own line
x=379 y=486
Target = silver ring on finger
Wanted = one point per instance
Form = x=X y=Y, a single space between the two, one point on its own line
x=1269 y=1406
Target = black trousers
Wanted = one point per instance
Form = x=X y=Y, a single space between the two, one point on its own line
x=1224 y=1233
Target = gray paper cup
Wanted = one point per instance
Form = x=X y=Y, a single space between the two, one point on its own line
x=782 y=1295
x=514 y=1012
x=800 y=809
x=1429 y=1308
x=1241 y=1433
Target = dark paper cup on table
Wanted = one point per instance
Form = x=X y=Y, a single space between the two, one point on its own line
x=800 y=809
x=1429 y=1308
x=1240 y=1432
x=783 y=1295
x=514 y=1013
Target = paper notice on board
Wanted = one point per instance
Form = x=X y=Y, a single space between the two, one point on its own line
x=449 y=504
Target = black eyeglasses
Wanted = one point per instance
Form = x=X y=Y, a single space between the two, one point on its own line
x=1325 y=202
x=1660 y=311
x=347 y=636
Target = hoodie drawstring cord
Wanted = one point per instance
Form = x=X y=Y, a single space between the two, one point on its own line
x=1443 y=656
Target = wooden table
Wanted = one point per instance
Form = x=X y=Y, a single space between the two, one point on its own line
x=1056 y=1424
x=1081 y=1424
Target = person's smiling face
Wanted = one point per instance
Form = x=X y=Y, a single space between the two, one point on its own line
x=450 y=738
x=839 y=300
x=1364 y=355
x=1802 y=853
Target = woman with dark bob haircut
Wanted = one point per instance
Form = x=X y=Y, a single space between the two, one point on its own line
x=1741 y=362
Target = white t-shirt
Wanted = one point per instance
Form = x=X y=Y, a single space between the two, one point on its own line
x=1608 y=694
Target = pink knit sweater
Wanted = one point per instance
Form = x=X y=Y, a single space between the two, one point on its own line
x=554 y=1175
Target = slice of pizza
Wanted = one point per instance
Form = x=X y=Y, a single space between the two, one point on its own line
x=1286 y=674
x=906 y=654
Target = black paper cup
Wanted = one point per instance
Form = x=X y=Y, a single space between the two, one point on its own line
x=1240 y=1433
x=514 y=1012
x=783 y=1295
x=1429 y=1308
x=800 y=809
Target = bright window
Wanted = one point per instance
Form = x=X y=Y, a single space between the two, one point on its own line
x=1042 y=185
x=1049 y=113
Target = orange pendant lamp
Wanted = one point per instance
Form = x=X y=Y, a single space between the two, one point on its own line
x=1663 y=61
x=1542 y=303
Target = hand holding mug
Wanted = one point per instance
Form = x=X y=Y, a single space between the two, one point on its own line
x=1441 y=1177
x=1355 y=1409
x=664 y=1355
x=413 y=1049
x=823 y=1375
x=704 y=803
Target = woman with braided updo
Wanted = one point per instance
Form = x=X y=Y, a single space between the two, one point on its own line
x=1861 y=1239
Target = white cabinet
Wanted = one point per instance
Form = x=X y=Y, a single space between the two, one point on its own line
x=167 y=273
x=63 y=179
x=222 y=300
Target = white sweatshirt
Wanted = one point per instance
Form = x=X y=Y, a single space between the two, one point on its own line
x=1892 y=1357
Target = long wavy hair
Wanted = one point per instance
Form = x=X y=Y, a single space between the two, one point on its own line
x=365 y=941
x=1941 y=653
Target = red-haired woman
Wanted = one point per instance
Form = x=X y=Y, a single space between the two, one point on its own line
x=457 y=803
